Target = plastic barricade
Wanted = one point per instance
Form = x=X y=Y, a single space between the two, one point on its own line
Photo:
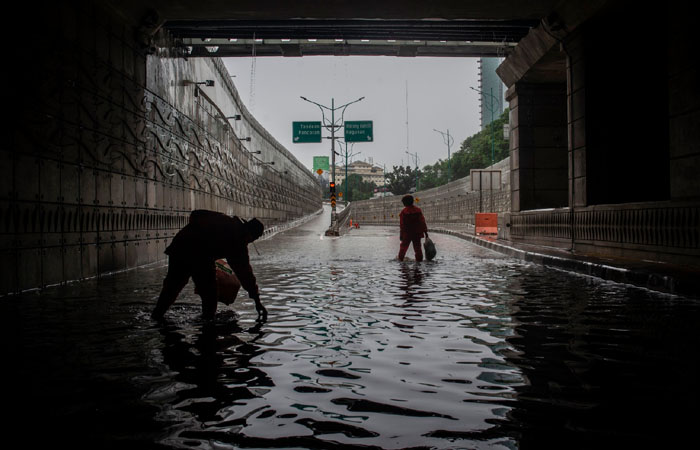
x=486 y=224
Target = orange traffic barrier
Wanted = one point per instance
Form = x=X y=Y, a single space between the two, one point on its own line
x=486 y=223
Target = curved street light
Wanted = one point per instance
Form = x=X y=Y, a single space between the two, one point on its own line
x=332 y=126
x=449 y=140
x=492 y=109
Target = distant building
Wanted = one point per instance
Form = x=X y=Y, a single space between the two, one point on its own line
x=367 y=171
x=490 y=82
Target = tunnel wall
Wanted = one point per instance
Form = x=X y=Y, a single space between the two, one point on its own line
x=107 y=150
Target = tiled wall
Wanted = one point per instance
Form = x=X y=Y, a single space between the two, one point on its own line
x=100 y=168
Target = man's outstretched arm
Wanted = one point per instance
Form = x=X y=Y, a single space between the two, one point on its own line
x=241 y=267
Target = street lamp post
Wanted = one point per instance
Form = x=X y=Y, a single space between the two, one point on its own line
x=332 y=125
x=449 y=140
x=492 y=109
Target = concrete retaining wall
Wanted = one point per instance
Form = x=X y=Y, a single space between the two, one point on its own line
x=453 y=204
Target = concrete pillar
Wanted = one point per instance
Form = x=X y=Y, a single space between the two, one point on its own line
x=538 y=145
x=576 y=120
x=684 y=106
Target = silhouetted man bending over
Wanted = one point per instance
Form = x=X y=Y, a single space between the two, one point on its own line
x=209 y=236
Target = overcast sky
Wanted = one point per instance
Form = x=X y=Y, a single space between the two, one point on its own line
x=439 y=97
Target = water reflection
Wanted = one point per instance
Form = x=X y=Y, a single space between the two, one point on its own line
x=607 y=365
x=472 y=350
x=211 y=369
x=412 y=275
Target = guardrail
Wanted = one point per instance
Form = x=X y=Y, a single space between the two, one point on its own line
x=273 y=230
x=660 y=226
x=344 y=216
x=341 y=219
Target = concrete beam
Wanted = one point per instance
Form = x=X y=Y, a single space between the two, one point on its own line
x=526 y=55
x=304 y=47
x=536 y=47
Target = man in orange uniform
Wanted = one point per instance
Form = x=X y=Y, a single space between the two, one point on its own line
x=413 y=228
x=207 y=237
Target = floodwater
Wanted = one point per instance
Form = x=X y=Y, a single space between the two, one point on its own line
x=471 y=351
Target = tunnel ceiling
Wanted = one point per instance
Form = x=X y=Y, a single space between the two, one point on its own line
x=206 y=10
x=460 y=28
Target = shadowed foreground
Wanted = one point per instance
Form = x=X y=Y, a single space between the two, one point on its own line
x=472 y=350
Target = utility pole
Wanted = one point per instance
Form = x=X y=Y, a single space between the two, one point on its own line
x=407 y=148
x=384 y=192
x=332 y=125
x=384 y=180
x=449 y=140
x=415 y=158
x=348 y=155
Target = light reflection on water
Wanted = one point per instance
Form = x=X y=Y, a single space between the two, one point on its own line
x=473 y=350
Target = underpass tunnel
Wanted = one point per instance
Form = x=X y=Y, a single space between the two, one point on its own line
x=115 y=134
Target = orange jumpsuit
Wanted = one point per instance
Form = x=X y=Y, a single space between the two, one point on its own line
x=413 y=228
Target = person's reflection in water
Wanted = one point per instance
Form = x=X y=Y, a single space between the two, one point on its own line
x=216 y=359
x=413 y=277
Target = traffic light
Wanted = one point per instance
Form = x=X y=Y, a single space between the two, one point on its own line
x=332 y=187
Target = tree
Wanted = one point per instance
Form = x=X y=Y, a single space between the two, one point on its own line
x=430 y=176
x=474 y=153
x=325 y=186
x=358 y=189
x=401 y=179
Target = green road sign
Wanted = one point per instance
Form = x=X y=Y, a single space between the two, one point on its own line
x=303 y=132
x=358 y=131
x=321 y=162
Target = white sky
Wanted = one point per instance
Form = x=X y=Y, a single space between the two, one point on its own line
x=439 y=97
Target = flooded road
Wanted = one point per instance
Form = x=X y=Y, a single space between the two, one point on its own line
x=473 y=350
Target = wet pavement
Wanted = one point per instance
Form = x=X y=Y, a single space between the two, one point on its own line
x=672 y=278
x=474 y=350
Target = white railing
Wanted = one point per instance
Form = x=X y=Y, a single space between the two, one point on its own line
x=273 y=230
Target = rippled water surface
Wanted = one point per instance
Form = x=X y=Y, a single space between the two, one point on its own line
x=473 y=350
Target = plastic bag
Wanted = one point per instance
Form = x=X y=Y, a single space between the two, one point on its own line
x=227 y=283
x=429 y=248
